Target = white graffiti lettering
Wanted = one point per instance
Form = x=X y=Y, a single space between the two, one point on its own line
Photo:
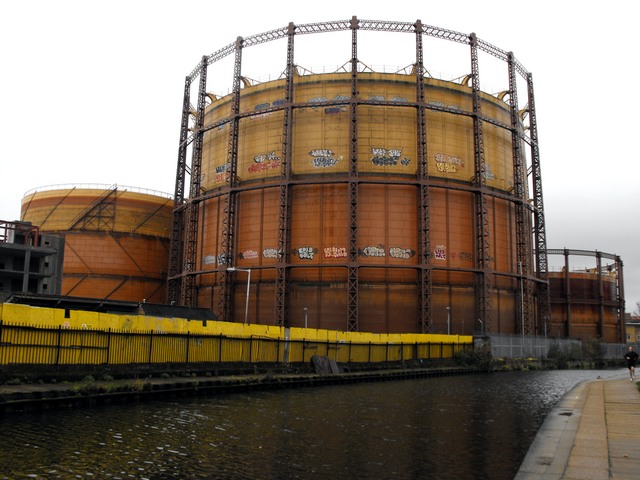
x=335 y=252
x=397 y=252
x=249 y=254
x=385 y=157
x=306 y=253
x=377 y=98
x=323 y=158
x=399 y=99
x=210 y=260
x=448 y=163
x=372 y=251
x=270 y=253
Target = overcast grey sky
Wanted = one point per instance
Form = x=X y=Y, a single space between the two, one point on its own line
x=91 y=92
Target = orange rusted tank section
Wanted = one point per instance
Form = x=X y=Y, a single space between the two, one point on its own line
x=585 y=305
x=116 y=238
x=387 y=206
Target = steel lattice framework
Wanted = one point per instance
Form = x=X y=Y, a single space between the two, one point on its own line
x=184 y=248
x=616 y=302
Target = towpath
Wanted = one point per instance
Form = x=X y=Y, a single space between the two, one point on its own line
x=593 y=433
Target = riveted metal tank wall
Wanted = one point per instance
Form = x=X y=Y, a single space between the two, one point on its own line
x=587 y=296
x=116 y=238
x=372 y=201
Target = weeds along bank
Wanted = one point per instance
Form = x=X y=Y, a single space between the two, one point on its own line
x=35 y=338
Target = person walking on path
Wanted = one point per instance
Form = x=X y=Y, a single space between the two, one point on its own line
x=632 y=359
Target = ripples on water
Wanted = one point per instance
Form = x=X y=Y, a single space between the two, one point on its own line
x=477 y=426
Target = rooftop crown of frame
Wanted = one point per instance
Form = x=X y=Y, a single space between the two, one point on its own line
x=356 y=24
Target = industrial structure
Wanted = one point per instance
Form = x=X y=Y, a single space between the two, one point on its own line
x=30 y=261
x=587 y=301
x=359 y=199
x=116 y=239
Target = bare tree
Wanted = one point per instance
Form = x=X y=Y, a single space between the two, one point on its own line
x=636 y=312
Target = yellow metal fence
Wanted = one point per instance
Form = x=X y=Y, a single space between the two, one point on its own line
x=28 y=344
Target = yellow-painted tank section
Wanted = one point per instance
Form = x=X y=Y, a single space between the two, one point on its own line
x=123 y=256
x=387 y=212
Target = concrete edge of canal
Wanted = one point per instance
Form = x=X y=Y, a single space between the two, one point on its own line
x=28 y=397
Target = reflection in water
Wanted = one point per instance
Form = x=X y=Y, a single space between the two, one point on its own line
x=477 y=426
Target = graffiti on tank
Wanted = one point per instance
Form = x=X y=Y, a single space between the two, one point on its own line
x=317 y=100
x=383 y=157
x=488 y=174
x=277 y=103
x=372 y=251
x=264 y=162
x=305 y=253
x=436 y=104
x=448 y=163
x=466 y=257
x=323 y=158
x=398 y=99
x=403 y=253
x=222 y=173
x=223 y=260
x=377 y=98
x=210 y=260
x=341 y=98
x=270 y=253
x=262 y=106
x=334 y=110
x=335 y=252
x=248 y=255
x=440 y=253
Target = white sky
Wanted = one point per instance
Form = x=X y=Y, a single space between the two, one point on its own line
x=91 y=92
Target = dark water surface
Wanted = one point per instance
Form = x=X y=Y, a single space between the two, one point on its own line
x=476 y=426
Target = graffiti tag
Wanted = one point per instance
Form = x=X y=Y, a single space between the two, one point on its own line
x=383 y=157
x=404 y=253
x=335 y=252
x=372 y=251
x=440 y=252
x=323 y=158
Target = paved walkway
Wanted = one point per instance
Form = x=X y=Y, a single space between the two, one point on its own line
x=593 y=433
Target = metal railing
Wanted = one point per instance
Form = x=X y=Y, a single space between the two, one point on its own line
x=24 y=344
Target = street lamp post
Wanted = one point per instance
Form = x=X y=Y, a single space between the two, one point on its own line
x=305 y=317
x=448 y=320
x=246 y=307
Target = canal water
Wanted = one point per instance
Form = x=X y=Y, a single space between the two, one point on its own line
x=463 y=427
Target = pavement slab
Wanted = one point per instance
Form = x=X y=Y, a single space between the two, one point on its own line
x=593 y=433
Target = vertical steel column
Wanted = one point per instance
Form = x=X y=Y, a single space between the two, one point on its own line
x=174 y=284
x=424 y=282
x=522 y=219
x=227 y=241
x=483 y=300
x=352 y=267
x=284 y=216
x=540 y=230
x=621 y=327
x=600 y=295
x=567 y=291
x=188 y=292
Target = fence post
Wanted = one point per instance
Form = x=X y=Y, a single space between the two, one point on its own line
x=108 y=344
x=188 y=341
x=59 y=342
x=150 y=344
